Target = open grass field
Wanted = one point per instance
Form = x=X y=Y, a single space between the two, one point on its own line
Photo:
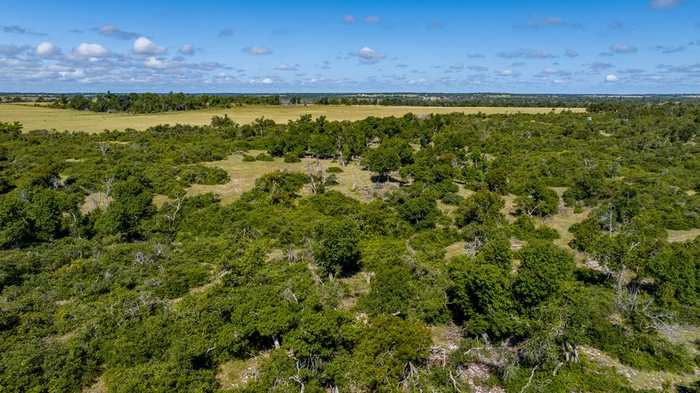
x=353 y=181
x=41 y=117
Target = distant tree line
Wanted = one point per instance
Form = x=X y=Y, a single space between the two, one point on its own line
x=501 y=100
x=152 y=103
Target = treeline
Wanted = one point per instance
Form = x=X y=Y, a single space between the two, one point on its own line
x=153 y=103
x=313 y=290
x=497 y=100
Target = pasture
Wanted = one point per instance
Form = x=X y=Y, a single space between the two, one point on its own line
x=42 y=117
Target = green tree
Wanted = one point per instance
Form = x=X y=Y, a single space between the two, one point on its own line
x=483 y=207
x=479 y=297
x=543 y=270
x=335 y=247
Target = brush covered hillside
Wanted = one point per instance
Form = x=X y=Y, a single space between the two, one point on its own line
x=449 y=253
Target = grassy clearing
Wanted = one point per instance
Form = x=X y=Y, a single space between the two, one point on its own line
x=683 y=236
x=98 y=387
x=94 y=201
x=562 y=221
x=355 y=286
x=455 y=249
x=63 y=119
x=353 y=181
x=638 y=379
x=236 y=373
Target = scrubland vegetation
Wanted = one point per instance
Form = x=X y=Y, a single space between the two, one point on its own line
x=560 y=277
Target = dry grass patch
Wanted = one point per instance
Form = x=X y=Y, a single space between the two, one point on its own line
x=638 y=379
x=353 y=181
x=98 y=387
x=159 y=200
x=683 y=236
x=509 y=208
x=42 y=117
x=94 y=201
x=355 y=286
x=236 y=373
x=455 y=249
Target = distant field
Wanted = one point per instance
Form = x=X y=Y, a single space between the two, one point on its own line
x=62 y=119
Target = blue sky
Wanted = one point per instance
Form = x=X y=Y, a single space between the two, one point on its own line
x=631 y=46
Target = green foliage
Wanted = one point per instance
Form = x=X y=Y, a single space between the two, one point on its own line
x=543 y=270
x=132 y=203
x=331 y=292
x=537 y=200
x=335 y=247
x=480 y=298
x=483 y=207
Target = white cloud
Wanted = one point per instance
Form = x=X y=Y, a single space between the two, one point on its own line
x=47 y=49
x=144 y=46
x=187 y=49
x=349 y=19
x=369 y=55
x=611 y=78
x=372 y=19
x=86 y=49
x=257 y=50
x=153 y=62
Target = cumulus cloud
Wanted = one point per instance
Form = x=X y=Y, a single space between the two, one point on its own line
x=475 y=56
x=86 y=50
x=257 y=50
x=611 y=78
x=115 y=32
x=571 y=53
x=187 y=49
x=368 y=55
x=349 y=19
x=144 y=46
x=15 y=29
x=153 y=62
x=526 y=54
x=372 y=19
x=664 y=4
x=47 y=49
